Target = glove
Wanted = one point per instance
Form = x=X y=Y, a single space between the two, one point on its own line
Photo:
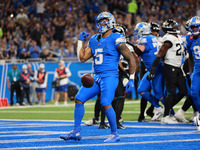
x=130 y=86
x=150 y=76
x=83 y=35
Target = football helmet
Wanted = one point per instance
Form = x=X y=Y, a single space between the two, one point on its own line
x=194 y=25
x=170 y=26
x=154 y=27
x=103 y=26
x=187 y=25
x=120 y=29
x=140 y=29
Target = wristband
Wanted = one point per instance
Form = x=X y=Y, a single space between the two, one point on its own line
x=79 y=46
x=132 y=76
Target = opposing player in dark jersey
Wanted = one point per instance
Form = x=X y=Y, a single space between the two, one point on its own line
x=172 y=52
x=105 y=48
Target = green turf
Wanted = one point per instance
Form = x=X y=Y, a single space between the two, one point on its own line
x=61 y=112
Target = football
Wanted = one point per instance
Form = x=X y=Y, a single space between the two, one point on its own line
x=87 y=80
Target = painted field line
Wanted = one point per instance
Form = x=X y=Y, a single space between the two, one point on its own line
x=98 y=137
x=105 y=144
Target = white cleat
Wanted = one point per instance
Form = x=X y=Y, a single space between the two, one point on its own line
x=180 y=116
x=158 y=112
x=56 y=103
x=197 y=122
x=91 y=122
x=168 y=120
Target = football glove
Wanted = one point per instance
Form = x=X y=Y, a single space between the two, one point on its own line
x=130 y=86
x=150 y=76
x=83 y=35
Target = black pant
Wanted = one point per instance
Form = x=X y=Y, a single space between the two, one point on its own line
x=15 y=86
x=27 y=92
x=174 y=79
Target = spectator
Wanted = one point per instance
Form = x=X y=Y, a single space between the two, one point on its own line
x=59 y=26
x=40 y=7
x=45 y=55
x=132 y=9
x=23 y=54
x=62 y=74
x=34 y=50
x=63 y=51
x=36 y=34
x=44 y=43
x=41 y=83
x=25 y=80
x=22 y=18
x=13 y=77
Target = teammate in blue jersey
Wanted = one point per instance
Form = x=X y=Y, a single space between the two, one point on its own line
x=105 y=48
x=147 y=49
x=194 y=61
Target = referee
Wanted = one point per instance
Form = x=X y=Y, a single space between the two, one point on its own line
x=13 y=76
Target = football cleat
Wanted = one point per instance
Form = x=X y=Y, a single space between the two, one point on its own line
x=197 y=122
x=158 y=112
x=180 y=116
x=168 y=120
x=104 y=126
x=114 y=137
x=120 y=126
x=73 y=135
x=91 y=122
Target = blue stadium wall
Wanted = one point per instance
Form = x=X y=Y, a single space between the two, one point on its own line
x=77 y=69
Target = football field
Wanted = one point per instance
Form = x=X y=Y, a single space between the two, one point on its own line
x=39 y=127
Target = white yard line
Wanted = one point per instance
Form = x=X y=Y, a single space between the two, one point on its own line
x=96 y=137
x=105 y=144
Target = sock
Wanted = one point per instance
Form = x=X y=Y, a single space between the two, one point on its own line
x=143 y=105
x=150 y=111
x=110 y=113
x=103 y=116
x=97 y=109
x=119 y=108
x=168 y=104
x=188 y=102
x=149 y=97
x=78 y=115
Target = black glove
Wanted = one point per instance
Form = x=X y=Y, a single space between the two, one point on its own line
x=150 y=76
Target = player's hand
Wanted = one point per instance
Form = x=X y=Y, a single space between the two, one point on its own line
x=150 y=76
x=130 y=86
x=83 y=35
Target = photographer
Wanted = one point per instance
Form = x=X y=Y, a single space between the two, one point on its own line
x=62 y=74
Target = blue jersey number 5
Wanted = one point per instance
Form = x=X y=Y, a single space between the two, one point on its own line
x=99 y=56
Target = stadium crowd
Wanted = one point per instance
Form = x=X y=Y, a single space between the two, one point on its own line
x=50 y=28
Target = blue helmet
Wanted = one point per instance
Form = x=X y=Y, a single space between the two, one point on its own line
x=194 y=25
x=140 y=29
x=110 y=23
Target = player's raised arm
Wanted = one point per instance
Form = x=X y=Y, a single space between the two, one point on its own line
x=83 y=54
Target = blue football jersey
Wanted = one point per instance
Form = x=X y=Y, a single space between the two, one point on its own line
x=151 y=47
x=105 y=54
x=194 y=49
x=189 y=40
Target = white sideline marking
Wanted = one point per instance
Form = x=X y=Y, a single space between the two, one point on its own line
x=58 y=112
x=106 y=144
x=98 y=137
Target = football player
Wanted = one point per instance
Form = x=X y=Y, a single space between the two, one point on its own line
x=193 y=47
x=105 y=48
x=172 y=52
x=146 y=49
x=188 y=102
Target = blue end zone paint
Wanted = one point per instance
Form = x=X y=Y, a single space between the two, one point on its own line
x=18 y=134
